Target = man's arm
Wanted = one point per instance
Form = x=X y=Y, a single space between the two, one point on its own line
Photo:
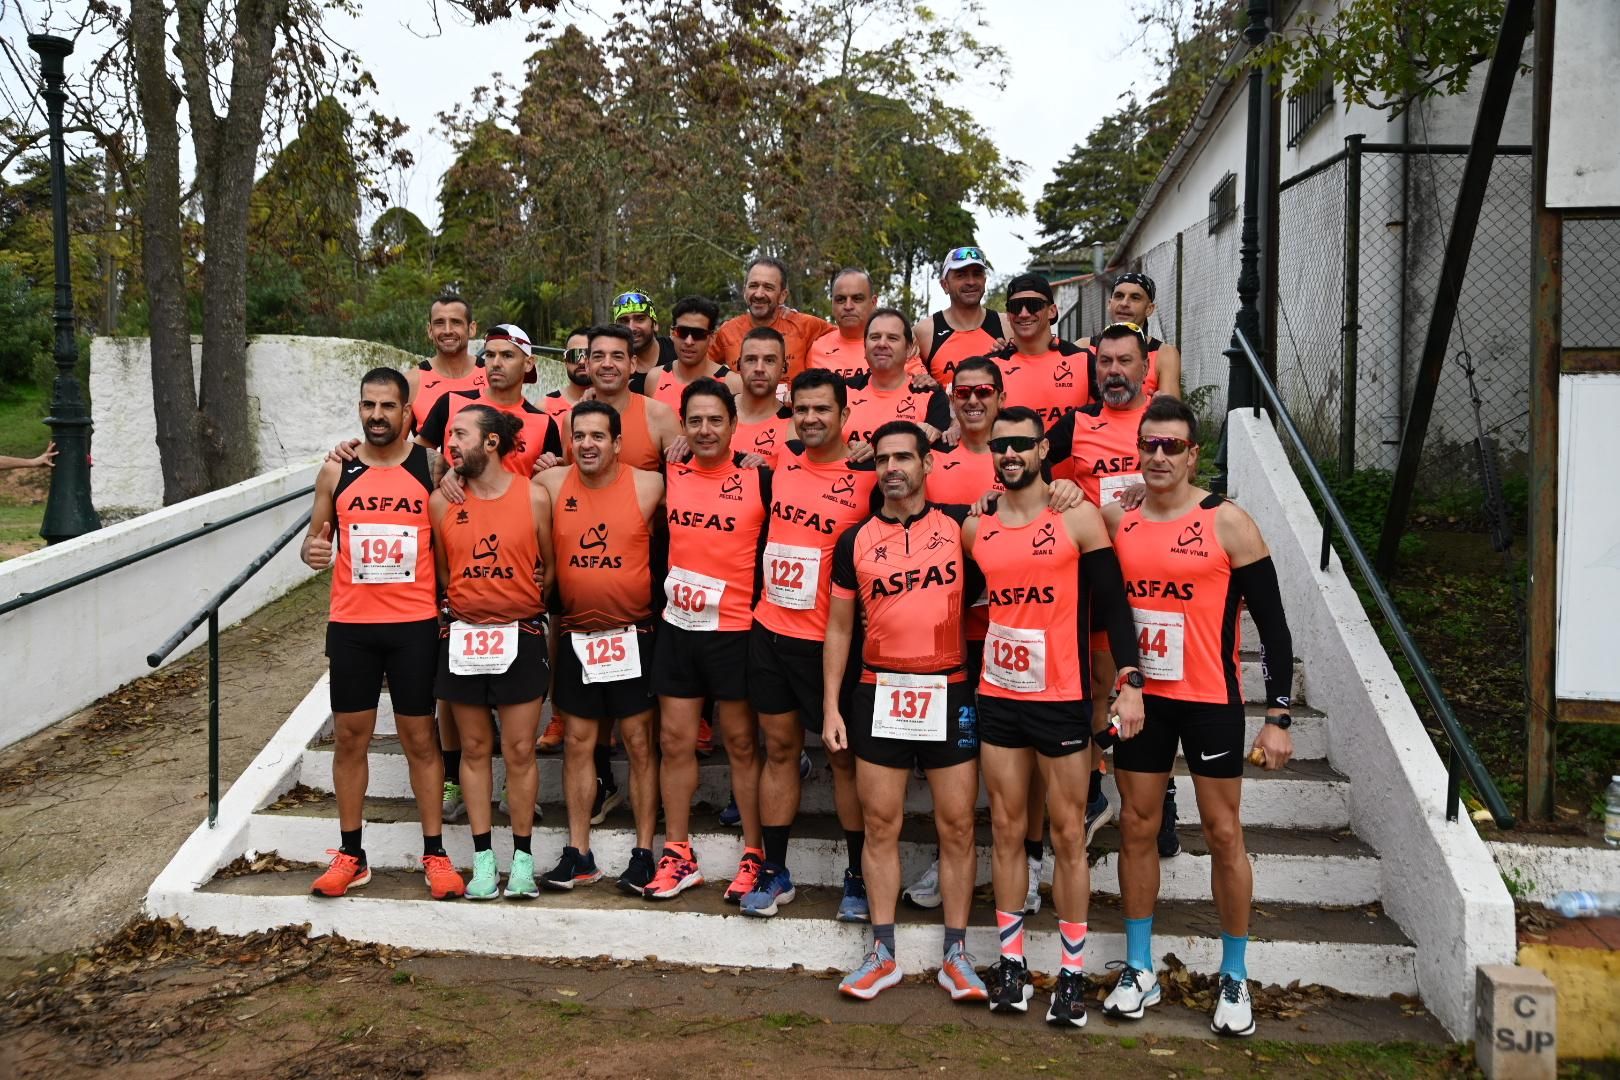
x=437 y=505
x=922 y=338
x=540 y=509
x=1255 y=575
x=318 y=549
x=1169 y=364
x=1099 y=569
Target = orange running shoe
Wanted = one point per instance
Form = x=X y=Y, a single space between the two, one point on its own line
x=551 y=739
x=747 y=874
x=345 y=873
x=442 y=880
x=876 y=974
x=677 y=871
x=705 y=739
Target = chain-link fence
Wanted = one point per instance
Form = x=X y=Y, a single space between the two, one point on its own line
x=1591 y=308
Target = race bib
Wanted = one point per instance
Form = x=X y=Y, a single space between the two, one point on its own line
x=791 y=575
x=1015 y=659
x=482 y=650
x=910 y=707
x=1112 y=487
x=608 y=655
x=694 y=600
x=1159 y=639
x=381 y=554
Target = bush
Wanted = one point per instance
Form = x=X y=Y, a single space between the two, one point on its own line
x=25 y=327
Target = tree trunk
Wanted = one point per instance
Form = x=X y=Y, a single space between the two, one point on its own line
x=174 y=390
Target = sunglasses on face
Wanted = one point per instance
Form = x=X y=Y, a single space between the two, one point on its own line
x=1032 y=305
x=1149 y=444
x=690 y=333
x=575 y=355
x=983 y=391
x=1132 y=327
x=1021 y=444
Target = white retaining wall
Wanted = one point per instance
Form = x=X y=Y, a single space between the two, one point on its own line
x=65 y=651
x=1440 y=882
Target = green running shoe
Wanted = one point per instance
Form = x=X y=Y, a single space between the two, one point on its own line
x=520 y=883
x=486 y=881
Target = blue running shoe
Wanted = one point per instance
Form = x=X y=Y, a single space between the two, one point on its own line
x=772 y=888
x=804 y=764
x=853 y=907
x=731 y=817
x=1099 y=812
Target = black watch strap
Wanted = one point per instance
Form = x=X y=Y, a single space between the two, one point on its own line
x=1284 y=721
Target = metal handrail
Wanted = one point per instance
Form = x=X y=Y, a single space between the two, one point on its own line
x=210 y=612
x=1463 y=756
x=22 y=600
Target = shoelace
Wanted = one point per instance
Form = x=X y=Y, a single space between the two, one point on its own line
x=339 y=856
x=873 y=961
x=1231 y=990
x=962 y=960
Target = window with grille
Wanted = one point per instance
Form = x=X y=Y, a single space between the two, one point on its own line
x=1222 y=202
x=1306 y=107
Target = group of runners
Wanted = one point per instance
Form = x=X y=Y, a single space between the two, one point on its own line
x=963 y=549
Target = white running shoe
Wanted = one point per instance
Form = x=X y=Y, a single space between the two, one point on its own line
x=1032 y=902
x=506 y=806
x=924 y=892
x=1131 y=996
x=1234 y=1011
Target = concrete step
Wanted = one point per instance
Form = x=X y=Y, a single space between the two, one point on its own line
x=1254 y=683
x=1356 y=950
x=1290 y=865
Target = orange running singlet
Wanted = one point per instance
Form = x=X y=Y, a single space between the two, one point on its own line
x=384 y=570
x=959 y=475
x=1035 y=647
x=951 y=346
x=1052 y=383
x=716 y=519
x=636 y=447
x=1096 y=448
x=766 y=438
x=799 y=329
x=538 y=436
x=833 y=351
x=871 y=408
x=603 y=547
x=491 y=551
x=431 y=386
x=670 y=389
x=1178 y=579
x=909 y=579
x=811 y=503
x=557 y=407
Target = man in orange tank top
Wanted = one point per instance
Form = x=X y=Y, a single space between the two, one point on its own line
x=843 y=350
x=764 y=424
x=602 y=526
x=370 y=524
x=1189 y=559
x=452 y=367
x=557 y=403
x=1043 y=572
x=966 y=327
x=886 y=392
x=692 y=322
x=493 y=549
x=1037 y=370
x=650 y=428
x=765 y=290
x=508 y=364
x=1132 y=302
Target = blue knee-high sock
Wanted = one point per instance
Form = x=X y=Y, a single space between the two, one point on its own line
x=1233 y=950
x=1139 y=943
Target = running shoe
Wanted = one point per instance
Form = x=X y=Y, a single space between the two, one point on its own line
x=606 y=799
x=876 y=974
x=1032 y=902
x=959 y=979
x=506 y=807
x=731 y=817
x=520 y=883
x=676 y=872
x=486 y=880
x=747 y=875
x=1068 y=1008
x=705 y=737
x=1008 y=986
x=442 y=880
x=924 y=892
x=1234 y=1011
x=1169 y=840
x=772 y=888
x=572 y=869
x=804 y=764
x=551 y=740
x=1099 y=812
x=453 y=808
x=345 y=872
x=1131 y=996
x=853 y=907
x=639 y=873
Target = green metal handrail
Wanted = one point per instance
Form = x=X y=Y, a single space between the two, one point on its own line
x=1463 y=758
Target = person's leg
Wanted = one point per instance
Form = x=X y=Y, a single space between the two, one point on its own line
x=882 y=792
x=1071 y=875
x=779 y=781
x=1006 y=776
x=678 y=772
x=350 y=768
x=419 y=739
x=476 y=733
x=1231 y=875
x=1142 y=796
x=636 y=733
x=740 y=730
x=518 y=726
x=954 y=791
x=579 y=776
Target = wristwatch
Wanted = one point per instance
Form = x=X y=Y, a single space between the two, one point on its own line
x=1132 y=678
x=1284 y=721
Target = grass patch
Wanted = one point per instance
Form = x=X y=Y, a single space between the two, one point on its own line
x=22 y=420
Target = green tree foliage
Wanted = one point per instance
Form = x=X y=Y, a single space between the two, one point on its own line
x=25 y=326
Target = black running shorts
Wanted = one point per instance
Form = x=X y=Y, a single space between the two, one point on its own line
x=1211 y=738
x=605 y=700
x=961 y=742
x=526 y=680
x=1052 y=728
x=709 y=664
x=361 y=654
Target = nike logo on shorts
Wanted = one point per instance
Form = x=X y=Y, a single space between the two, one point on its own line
x=1212 y=757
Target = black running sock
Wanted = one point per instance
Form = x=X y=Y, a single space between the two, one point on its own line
x=604 y=767
x=884 y=934
x=1033 y=849
x=955 y=935
x=432 y=845
x=350 y=844
x=857 y=844
x=776 y=843
x=1170 y=790
x=452 y=765
x=481 y=841
x=521 y=843
x=1096 y=786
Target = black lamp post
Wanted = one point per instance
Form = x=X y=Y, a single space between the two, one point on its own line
x=68 y=512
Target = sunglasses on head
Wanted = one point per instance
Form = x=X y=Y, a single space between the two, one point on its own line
x=960 y=253
x=575 y=355
x=690 y=333
x=1032 y=305
x=1147 y=445
x=1132 y=327
x=983 y=391
x=632 y=299
x=1021 y=444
